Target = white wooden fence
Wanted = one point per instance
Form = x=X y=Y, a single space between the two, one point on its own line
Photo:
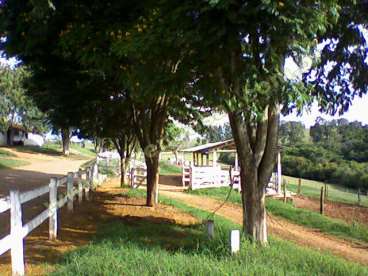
x=205 y=177
x=137 y=176
x=14 y=240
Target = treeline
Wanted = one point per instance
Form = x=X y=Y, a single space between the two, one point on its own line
x=332 y=151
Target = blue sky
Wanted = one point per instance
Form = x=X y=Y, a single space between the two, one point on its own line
x=357 y=112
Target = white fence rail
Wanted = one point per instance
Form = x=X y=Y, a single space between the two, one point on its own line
x=14 y=240
x=137 y=176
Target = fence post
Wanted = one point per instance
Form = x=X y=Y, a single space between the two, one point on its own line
x=69 y=188
x=132 y=177
x=86 y=189
x=80 y=186
x=325 y=195
x=53 y=208
x=322 y=202
x=359 y=199
x=90 y=183
x=299 y=186
x=95 y=171
x=284 y=188
x=17 y=252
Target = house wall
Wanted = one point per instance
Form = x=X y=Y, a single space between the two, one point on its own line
x=2 y=139
x=34 y=140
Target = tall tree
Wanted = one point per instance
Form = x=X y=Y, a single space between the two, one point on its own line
x=241 y=47
x=16 y=108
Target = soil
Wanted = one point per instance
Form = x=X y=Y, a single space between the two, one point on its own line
x=36 y=174
x=77 y=228
x=109 y=203
x=356 y=252
x=347 y=212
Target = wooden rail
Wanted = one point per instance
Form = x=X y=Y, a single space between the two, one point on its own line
x=137 y=176
x=14 y=240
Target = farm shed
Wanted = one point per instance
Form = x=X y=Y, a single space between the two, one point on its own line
x=17 y=135
x=204 y=171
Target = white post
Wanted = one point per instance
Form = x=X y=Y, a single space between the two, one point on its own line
x=214 y=159
x=91 y=178
x=210 y=229
x=234 y=241
x=69 y=189
x=279 y=173
x=80 y=187
x=53 y=208
x=236 y=162
x=132 y=177
x=17 y=252
x=95 y=172
x=86 y=189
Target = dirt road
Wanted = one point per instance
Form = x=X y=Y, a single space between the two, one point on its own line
x=37 y=173
x=281 y=228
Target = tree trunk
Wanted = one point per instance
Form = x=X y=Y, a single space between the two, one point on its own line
x=10 y=136
x=256 y=145
x=65 y=136
x=176 y=156
x=122 y=171
x=254 y=212
x=152 y=164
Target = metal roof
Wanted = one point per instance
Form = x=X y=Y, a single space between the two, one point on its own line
x=209 y=146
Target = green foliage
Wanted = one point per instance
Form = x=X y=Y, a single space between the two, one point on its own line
x=314 y=161
x=15 y=106
x=292 y=133
x=147 y=247
x=298 y=215
x=216 y=133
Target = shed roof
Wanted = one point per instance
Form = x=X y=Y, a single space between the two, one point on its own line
x=227 y=144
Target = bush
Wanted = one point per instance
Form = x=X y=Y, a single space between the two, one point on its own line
x=316 y=163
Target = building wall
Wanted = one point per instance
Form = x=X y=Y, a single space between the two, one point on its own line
x=2 y=139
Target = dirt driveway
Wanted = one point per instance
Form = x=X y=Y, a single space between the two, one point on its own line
x=281 y=228
x=37 y=173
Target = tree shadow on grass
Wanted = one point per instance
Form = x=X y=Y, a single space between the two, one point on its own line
x=94 y=221
x=36 y=149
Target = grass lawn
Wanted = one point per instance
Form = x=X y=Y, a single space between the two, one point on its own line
x=167 y=168
x=335 y=193
x=6 y=154
x=11 y=163
x=7 y=161
x=56 y=149
x=155 y=248
x=297 y=215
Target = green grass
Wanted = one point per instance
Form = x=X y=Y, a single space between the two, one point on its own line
x=355 y=231
x=5 y=154
x=56 y=149
x=11 y=163
x=7 y=161
x=167 y=169
x=335 y=193
x=139 y=246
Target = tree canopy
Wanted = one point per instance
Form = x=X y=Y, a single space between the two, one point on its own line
x=178 y=59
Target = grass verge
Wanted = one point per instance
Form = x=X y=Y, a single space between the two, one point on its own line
x=351 y=232
x=146 y=247
x=167 y=168
x=11 y=163
x=336 y=193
